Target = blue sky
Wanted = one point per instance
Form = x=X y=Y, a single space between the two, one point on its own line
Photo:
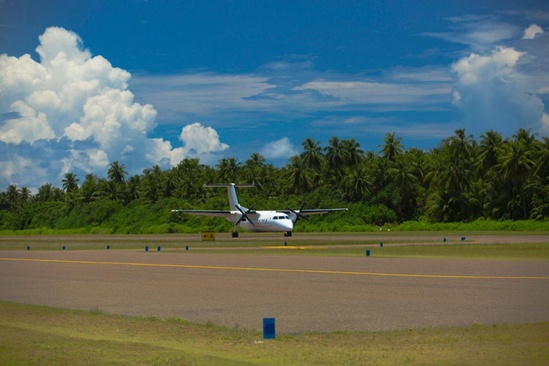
x=83 y=84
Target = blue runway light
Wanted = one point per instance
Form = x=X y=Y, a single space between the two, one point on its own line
x=187 y=247
x=368 y=253
x=146 y=248
x=64 y=247
x=269 y=331
x=108 y=247
x=381 y=245
x=158 y=248
x=28 y=247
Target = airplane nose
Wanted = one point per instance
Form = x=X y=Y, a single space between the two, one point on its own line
x=287 y=224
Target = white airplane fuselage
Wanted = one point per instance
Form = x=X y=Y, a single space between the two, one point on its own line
x=264 y=221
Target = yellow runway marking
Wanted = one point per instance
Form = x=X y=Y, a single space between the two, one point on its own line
x=287 y=270
x=292 y=247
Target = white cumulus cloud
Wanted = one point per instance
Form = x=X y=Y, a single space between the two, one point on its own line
x=72 y=111
x=531 y=31
x=282 y=148
x=494 y=94
x=199 y=141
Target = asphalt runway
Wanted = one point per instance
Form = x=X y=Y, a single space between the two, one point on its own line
x=302 y=293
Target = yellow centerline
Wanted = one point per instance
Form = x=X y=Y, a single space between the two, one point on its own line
x=286 y=270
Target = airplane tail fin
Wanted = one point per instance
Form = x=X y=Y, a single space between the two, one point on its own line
x=231 y=192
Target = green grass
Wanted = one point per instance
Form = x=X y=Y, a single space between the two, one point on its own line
x=396 y=245
x=528 y=251
x=37 y=335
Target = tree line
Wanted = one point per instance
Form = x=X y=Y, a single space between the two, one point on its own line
x=460 y=180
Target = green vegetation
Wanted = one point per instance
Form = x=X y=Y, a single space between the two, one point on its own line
x=492 y=184
x=399 y=244
x=36 y=335
x=456 y=251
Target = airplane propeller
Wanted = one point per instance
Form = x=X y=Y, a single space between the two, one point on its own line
x=244 y=215
x=298 y=214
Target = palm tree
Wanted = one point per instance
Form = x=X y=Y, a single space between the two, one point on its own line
x=392 y=147
x=132 y=188
x=540 y=181
x=229 y=170
x=335 y=157
x=526 y=137
x=402 y=174
x=516 y=165
x=490 y=148
x=117 y=173
x=461 y=151
x=70 y=182
x=89 y=191
x=25 y=194
x=357 y=183
x=117 y=181
x=299 y=175
x=12 y=196
x=153 y=183
x=352 y=153
x=254 y=167
x=312 y=154
x=189 y=179
x=45 y=193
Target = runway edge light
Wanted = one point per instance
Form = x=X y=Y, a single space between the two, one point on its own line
x=269 y=331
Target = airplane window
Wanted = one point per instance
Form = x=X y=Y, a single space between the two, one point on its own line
x=286 y=217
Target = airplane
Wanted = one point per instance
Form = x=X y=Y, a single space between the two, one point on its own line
x=256 y=220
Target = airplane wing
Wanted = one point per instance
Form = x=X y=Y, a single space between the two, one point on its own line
x=214 y=213
x=320 y=211
x=317 y=211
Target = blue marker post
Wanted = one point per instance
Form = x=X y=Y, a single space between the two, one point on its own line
x=269 y=328
x=444 y=240
x=146 y=248
x=381 y=245
x=64 y=247
x=186 y=247
x=28 y=247
x=463 y=238
x=158 y=248
x=368 y=253
x=108 y=247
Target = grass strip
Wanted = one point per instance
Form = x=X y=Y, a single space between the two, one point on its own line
x=38 y=335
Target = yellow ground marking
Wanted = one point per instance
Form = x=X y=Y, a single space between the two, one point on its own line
x=287 y=270
x=292 y=247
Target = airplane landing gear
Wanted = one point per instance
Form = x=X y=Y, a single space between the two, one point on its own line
x=235 y=234
x=287 y=233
